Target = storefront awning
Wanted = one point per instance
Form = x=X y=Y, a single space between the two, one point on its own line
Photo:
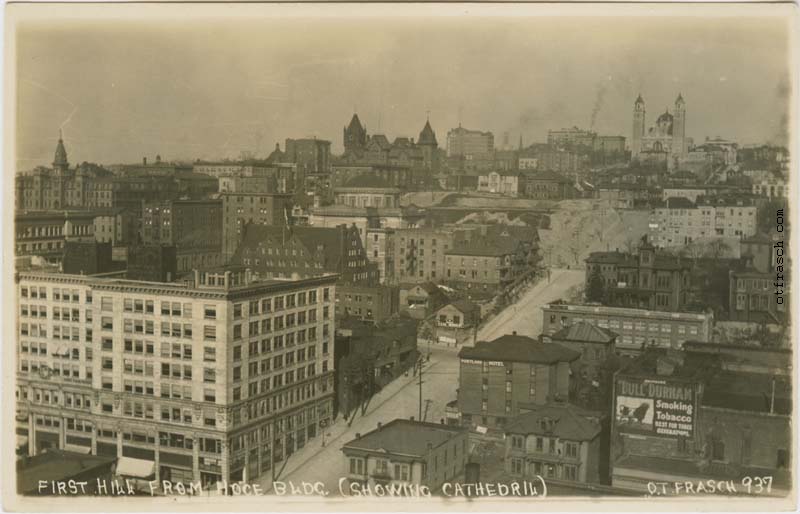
x=136 y=468
x=76 y=448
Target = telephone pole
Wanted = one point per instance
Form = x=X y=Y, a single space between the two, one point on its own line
x=420 y=388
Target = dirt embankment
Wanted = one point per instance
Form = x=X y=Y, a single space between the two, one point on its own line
x=580 y=227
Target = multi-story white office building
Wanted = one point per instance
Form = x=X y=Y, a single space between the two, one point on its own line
x=217 y=378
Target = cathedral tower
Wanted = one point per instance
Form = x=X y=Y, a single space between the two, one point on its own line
x=638 y=127
x=430 y=153
x=679 y=128
x=355 y=135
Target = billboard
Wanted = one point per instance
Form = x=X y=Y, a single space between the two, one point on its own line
x=655 y=407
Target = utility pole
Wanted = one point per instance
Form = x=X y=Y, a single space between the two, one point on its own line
x=420 y=389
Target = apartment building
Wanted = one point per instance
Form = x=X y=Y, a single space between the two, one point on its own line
x=216 y=378
x=419 y=253
x=680 y=221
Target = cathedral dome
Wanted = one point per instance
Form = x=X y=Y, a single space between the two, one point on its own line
x=665 y=118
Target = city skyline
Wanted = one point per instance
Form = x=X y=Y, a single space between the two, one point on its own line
x=215 y=99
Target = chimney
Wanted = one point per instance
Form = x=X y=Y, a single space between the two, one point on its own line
x=358 y=435
x=144 y=161
x=380 y=425
x=158 y=159
x=412 y=418
x=514 y=333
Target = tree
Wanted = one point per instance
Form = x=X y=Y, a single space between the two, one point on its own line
x=766 y=215
x=718 y=249
x=595 y=290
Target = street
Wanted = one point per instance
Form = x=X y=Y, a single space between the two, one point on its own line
x=401 y=397
x=525 y=316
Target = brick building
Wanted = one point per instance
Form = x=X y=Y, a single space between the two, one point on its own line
x=681 y=417
x=194 y=227
x=497 y=376
x=239 y=209
x=152 y=263
x=372 y=303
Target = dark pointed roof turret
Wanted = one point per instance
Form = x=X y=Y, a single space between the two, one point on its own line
x=60 y=159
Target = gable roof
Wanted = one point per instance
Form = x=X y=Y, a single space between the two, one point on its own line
x=562 y=420
x=585 y=333
x=464 y=306
x=405 y=437
x=515 y=348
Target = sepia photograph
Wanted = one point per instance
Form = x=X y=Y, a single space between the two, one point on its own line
x=399 y=257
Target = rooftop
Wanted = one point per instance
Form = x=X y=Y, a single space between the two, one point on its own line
x=562 y=420
x=547 y=175
x=515 y=348
x=678 y=202
x=367 y=180
x=56 y=465
x=585 y=332
x=405 y=437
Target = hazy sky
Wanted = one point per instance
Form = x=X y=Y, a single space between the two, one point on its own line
x=121 y=90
